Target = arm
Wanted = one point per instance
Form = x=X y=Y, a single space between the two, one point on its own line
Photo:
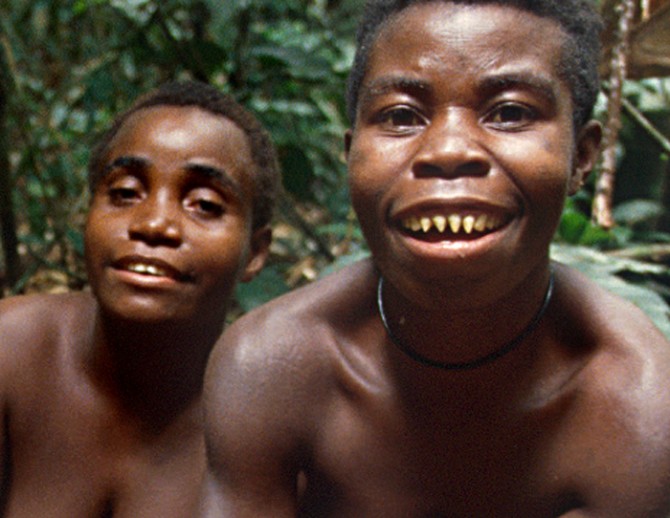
x=253 y=423
x=29 y=325
x=7 y=324
x=12 y=326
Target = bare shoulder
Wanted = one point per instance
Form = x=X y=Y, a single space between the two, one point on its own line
x=624 y=386
x=607 y=319
x=30 y=325
x=272 y=384
x=624 y=341
x=288 y=350
x=26 y=314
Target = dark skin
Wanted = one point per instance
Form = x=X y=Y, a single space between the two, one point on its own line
x=311 y=410
x=101 y=391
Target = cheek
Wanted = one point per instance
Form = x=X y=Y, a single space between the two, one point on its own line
x=542 y=166
x=223 y=255
x=373 y=168
x=92 y=237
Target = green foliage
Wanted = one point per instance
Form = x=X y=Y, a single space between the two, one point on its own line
x=72 y=65
x=610 y=272
x=75 y=64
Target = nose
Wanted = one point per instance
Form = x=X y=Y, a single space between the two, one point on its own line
x=450 y=148
x=156 y=222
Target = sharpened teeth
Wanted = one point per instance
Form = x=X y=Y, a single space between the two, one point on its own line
x=468 y=224
x=147 y=269
x=480 y=223
x=440 y=223
x=426 y=224
x=456 y=223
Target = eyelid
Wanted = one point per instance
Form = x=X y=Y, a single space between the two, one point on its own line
x=122 y=181
x=117 y=174
x=207 y=194
x=211 y=190
x=214 y=178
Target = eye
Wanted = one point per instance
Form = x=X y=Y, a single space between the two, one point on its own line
x=400 y=117
x=205 y=203
x=209 y=207
x=511 y=116
x=124 y=191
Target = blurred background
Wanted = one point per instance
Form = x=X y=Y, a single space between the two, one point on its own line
x=67 y=67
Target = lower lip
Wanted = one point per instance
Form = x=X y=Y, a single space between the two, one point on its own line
x=143 y=280
x=468 y=246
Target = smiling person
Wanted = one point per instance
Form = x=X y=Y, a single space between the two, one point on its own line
x=458 y=372
x=101 y=391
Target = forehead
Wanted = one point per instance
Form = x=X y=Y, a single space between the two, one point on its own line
x=186 y=134
x=453 y=38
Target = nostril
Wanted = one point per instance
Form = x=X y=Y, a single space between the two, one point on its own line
x=473 y=168
x=465 y=168
x=428 y=169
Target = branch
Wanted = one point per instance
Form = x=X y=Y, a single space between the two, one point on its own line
x=646 y=124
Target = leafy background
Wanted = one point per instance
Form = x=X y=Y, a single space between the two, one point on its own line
x=67 y=67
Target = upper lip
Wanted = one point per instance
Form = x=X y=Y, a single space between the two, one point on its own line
x=432 y=206
x=150 y=266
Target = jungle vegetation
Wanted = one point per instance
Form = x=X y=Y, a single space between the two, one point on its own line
x=68 y=66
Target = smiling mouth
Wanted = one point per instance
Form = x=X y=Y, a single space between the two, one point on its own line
x=452 y=225
x=150 y=268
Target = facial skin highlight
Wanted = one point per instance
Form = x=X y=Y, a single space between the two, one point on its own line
x=169 y=229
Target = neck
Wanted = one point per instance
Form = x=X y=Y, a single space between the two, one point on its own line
x=154 y=371
x=465 y=339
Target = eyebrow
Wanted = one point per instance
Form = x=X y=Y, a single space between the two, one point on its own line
x=532 y=82
x=491 y=84
x=384 y=85
x=125 y=162
x=215 y=174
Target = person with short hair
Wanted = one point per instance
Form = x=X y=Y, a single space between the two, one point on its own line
x=459 y=371
x=101 y=391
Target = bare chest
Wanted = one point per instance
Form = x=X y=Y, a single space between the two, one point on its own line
x=78 y=460
x=461 y=461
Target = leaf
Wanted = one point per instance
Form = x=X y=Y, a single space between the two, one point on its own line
x=603 y=269
x=267 y=285
x=637 y=211
x=298 y=173
x=297 y=62
x=571 y=226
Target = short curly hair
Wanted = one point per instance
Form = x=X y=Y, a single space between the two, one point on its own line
x=266 y=177
x=578 y=19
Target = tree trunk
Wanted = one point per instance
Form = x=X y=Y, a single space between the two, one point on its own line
x=7 y=217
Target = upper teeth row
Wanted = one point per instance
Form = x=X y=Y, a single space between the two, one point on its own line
x=455 y=222
x=149 y=269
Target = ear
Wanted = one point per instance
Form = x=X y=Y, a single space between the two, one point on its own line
x=586 y=154
x=258 y=252
x=348 y=135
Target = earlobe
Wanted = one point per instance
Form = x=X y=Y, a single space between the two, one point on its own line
x=586 y=154
x=258 y=253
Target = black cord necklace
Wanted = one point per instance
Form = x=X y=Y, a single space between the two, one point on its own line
x=498 y=353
